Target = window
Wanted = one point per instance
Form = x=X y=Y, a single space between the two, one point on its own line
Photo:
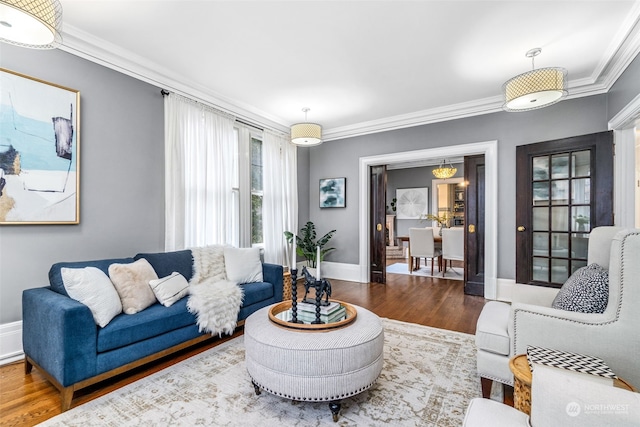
x=248 y=188
x=256 y=192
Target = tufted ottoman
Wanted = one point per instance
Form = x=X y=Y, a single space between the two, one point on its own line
x=314 y=366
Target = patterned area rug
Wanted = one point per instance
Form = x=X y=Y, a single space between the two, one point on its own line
x=453 y=273
x=429 y=377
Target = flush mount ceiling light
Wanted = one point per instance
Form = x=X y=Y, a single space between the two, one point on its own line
x=536 y=88
x=444 y=172
x=306 y=134
x=34 y=24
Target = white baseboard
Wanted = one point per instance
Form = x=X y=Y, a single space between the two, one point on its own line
x=11 y=342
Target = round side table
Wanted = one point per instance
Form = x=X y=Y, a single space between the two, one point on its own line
x=315 y=366
x=522 y=383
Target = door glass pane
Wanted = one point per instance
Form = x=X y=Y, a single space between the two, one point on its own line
x=541 y=269
x=580 y=190
x=559 y=218
x=541 y=219
x=560 y=166
x=540 y=193
x=576 y=264
x=581 y=164
x=540 y=168
x=580 y=220
x=559 y=270
x=541 y=244
x=560 y=192
x=560 y=245
x=579 y=244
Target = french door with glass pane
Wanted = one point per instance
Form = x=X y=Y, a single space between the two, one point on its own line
x=564 y=189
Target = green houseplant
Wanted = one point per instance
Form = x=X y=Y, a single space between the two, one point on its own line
x=307 y=245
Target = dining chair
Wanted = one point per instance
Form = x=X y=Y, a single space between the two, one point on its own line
x=422 y=245
x=452 y=246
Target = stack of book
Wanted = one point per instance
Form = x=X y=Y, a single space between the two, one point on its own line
x=334 y=312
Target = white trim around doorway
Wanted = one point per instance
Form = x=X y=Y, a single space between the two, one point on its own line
x=490 y=151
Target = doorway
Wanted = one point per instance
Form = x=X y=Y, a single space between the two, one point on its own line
x=488 y=149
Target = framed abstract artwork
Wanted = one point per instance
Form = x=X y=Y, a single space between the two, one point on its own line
x=412 y=203
x=333 y=192
x=39 y=151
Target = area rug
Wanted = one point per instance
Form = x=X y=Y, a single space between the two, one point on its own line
x=453 y=273
x=429 y=377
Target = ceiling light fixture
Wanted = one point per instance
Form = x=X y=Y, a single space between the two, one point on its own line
x=444 y=172
x=306 y=134
x=536 y=88
x=35 y=24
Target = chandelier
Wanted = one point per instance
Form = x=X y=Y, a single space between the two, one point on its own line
x=536 y=88
x=34 y=24
x=444 y=172
x=306 y=134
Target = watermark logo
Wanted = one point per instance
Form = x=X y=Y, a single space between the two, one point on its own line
x=573 y=409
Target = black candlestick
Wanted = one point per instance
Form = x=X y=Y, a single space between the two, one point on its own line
x=317 y=284
x=294 y=296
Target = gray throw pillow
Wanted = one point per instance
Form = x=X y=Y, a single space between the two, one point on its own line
x=586 y=291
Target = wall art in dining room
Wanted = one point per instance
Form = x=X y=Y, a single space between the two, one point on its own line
x=39 y=151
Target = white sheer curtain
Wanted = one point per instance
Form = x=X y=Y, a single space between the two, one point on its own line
x=280 y=196
x=199 y=150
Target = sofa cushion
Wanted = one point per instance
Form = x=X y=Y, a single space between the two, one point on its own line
x=256 y=292
x=55 y=277
x=170 y=289
x=91 y=287
x=492 y=333
x=586 y=291
x=243 y=265
x=165 y=263
x=155 y=320
x=132 y=283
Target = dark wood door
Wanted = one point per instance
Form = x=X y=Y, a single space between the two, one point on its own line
x=474 y=176
x=564 y=189
x=378 y=222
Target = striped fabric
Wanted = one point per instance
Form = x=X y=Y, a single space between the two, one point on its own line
x=314 y=366
x=569 y=361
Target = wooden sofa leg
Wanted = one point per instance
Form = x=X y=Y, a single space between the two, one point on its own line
x=485 y=383
x=66 y=396
x=28 y=366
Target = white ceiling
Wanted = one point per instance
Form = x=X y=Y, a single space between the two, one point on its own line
x=360 y=66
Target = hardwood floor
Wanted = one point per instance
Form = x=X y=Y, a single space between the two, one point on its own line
x=26 y=400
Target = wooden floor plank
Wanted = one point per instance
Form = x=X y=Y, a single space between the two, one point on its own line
x=26 y=400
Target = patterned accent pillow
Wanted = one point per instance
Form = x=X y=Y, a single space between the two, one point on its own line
x=586 y=291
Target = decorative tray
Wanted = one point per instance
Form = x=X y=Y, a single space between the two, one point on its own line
x=278 y=315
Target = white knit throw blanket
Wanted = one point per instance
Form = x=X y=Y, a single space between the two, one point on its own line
x=212 y=298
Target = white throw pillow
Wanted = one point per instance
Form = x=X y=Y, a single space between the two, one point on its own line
x=170 y=289
x=243 y=265
x=93 y=288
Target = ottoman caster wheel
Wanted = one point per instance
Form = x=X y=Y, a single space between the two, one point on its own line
x=335 y=410
x=256 y=388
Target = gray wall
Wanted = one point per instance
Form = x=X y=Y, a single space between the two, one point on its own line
x=625 y=89
x=413 y=178
x=121 y=175
x=341 y=158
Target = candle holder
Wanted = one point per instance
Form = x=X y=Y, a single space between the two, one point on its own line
x=294 y=296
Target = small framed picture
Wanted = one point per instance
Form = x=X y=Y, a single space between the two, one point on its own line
x=333 y=192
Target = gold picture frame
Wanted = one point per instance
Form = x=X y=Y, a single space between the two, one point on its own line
x=39 y=151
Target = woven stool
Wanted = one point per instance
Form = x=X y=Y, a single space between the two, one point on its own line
x=323 y=366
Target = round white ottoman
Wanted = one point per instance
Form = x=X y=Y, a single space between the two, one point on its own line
x=314 y=366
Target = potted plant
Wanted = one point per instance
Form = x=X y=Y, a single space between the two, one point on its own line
x=581 y=220
x=442 y=220
x=307 y=245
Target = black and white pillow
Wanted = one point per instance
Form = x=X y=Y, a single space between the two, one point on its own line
x=586 y=291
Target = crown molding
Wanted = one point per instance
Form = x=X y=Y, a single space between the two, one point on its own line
x=91 y=48
x=623 y=50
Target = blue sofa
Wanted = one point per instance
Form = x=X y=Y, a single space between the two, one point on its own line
x=61 y=338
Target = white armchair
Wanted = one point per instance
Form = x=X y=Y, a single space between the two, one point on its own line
x=504 y=330
x=561 y=398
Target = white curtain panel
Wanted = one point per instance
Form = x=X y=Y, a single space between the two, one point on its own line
x=280 y=196
x=199 y=147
